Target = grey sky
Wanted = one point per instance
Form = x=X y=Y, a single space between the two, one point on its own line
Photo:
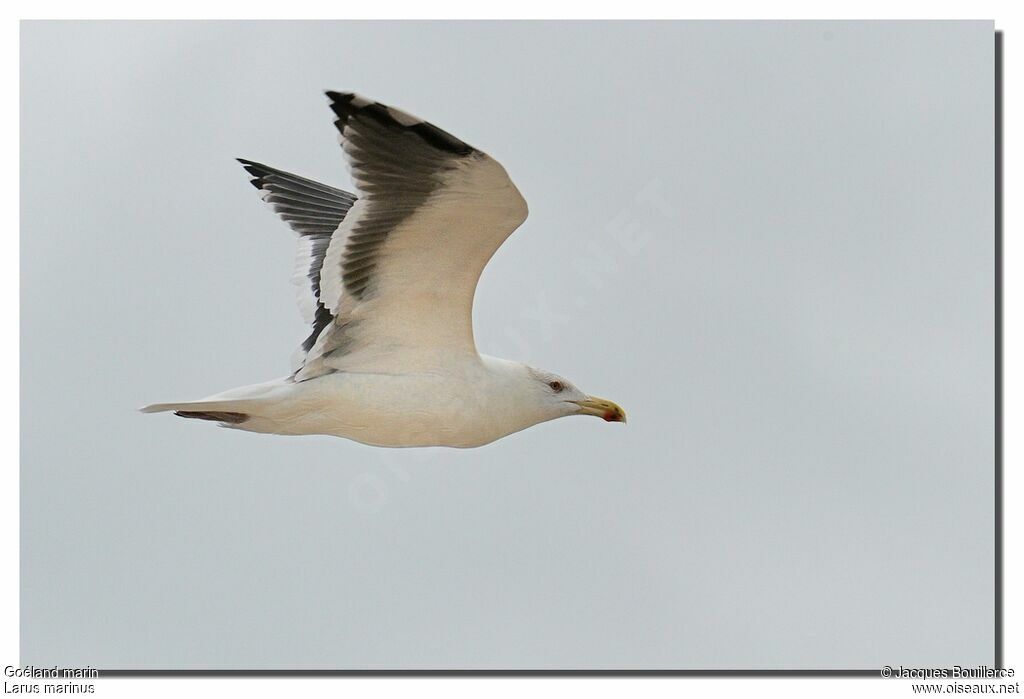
x=770 y=243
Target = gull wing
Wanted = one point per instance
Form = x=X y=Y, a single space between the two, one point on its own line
x=314 y=211
x=399 y=274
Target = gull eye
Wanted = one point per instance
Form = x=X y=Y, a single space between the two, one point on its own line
x=556 y=386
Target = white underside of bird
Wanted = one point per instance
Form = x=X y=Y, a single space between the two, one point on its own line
x=387 y=280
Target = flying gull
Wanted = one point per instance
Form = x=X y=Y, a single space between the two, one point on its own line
x=386 y=280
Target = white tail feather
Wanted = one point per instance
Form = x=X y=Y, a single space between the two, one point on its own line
x=228 y=406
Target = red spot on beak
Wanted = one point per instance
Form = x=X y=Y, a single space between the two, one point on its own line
x=604 y=409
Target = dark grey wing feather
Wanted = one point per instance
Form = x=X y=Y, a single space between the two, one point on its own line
x=307 y=206
x=397 y=161
x=314 y=211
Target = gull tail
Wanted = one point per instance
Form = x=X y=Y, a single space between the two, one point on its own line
x=240 y=406
x=227 y=412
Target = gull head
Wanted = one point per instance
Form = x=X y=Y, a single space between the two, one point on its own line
x=557 y=397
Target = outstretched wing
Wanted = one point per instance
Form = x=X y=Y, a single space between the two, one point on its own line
x=387 y=280
x=400 y=272
x=314 y=211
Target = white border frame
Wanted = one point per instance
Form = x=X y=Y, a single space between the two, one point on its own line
x=1008 y=20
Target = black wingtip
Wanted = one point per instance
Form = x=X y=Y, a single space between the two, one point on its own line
x=341 y=101
x=256 y=170
x=346 y=105
x=343 y=105
x=253 y=164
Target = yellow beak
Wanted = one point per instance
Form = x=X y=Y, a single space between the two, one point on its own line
x=599 y=407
